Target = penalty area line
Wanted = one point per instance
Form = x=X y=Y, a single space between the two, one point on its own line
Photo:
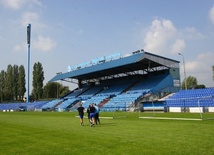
x=169 y=118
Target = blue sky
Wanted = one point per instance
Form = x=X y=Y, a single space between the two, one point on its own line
x=70 y=32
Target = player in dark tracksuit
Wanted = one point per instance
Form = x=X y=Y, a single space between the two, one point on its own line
x=80 y=110
x=92 y=114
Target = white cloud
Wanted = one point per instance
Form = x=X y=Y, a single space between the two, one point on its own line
x=18 y=47
x=192 y=33
x=33 y=18
x=38 y=42
x=17 y=4
x=13 y=4
x=178 y=46
x=44 y=44
x=202 y=60
x=211 y=14
x=41 y=43
x=29 y=17
x=159 y=35
x=201 y=68
x=163 y=38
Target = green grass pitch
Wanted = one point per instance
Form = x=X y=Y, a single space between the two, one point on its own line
x=60 y=133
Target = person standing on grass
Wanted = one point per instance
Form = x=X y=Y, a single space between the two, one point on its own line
x=92 y=114
x=80 y=110
x=97 y=119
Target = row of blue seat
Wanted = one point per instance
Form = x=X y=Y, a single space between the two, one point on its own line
x=15 y=106
x=192 y=98
x=98 y=93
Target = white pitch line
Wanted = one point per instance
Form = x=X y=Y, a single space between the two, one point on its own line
x=186 y=119
x=107 y=117
x=99 y=117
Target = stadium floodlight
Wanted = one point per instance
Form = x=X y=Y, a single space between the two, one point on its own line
x=185 y=80
x=28 y=59
x=28 y=33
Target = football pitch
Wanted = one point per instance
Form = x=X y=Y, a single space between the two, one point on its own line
x=60 y=133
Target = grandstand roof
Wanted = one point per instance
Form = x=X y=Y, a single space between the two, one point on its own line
x=137 y=61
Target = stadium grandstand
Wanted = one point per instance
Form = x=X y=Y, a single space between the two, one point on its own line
x=118 y=83
x=141 y=81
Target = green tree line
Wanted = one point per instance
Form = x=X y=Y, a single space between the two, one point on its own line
x=13 y=84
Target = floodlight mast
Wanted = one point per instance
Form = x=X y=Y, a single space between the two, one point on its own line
x=28 y=59
x=185 y=80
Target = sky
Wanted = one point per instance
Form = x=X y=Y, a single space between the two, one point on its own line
x=69 y=32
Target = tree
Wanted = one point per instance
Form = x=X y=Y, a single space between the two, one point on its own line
x=15 y=81
x=12 y=83
x=213 y=71
x=55 y=90
x=191 y=83
x=9 y=83
x=63 y=90
x=200 y=86
x=38 y=78
x=2 y=85
x=50 y=90
x=21 y=82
